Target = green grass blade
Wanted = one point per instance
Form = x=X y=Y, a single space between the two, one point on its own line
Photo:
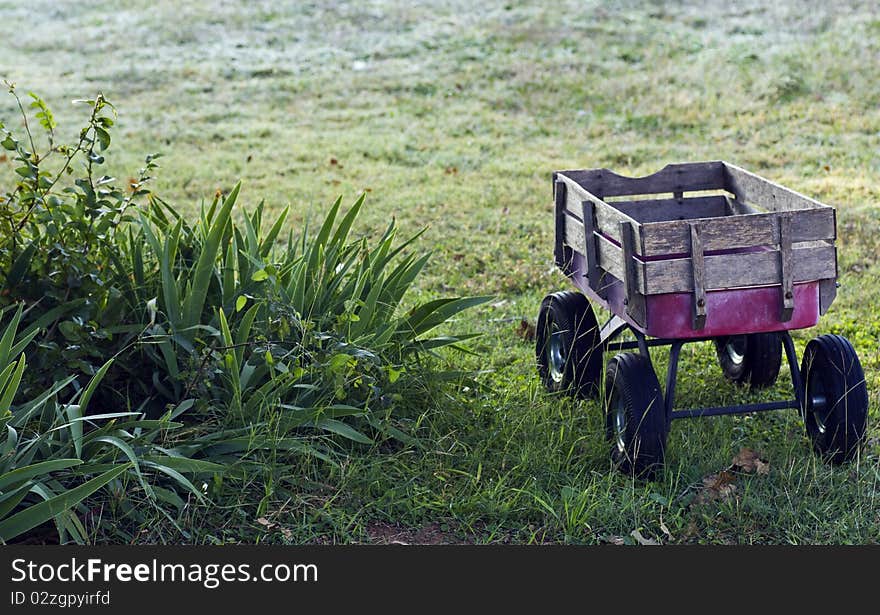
x=11 y=499
x=342 y=231
x=269 y=240
x=93 y=385
x=9 y=383
x=201 y=275
x=342 y=429
x=126 y=450
x=33 y=516
x=177 y=476
x=21 y=475
x=8 y=337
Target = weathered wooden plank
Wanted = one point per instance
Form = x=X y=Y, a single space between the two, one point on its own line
x=594 y=273
x=574 y=234
x=785 y=267
x=611 y=260
x=609 y=257
x=751 y=188
x=663 y=210
x=562 y=259
x=636 y=307
x=828 y=289
x=607 y=218
x=815 y=262
x=698 y=269
x=687 y=177
x=729 y=232
x=735 y=207
x=827 y=294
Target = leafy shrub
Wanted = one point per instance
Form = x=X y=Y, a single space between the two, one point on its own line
x=50 y=446
x=135 y=320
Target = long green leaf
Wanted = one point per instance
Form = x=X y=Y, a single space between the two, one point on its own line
x=170 y=288
x=427 y=316
x=185 y=464
x=74 y=416
x=243 y=332
x=269 y=239
x=180 y=478
x=20 y=475
x=10 y=499
x=33 y=516
x=341 y=234
x=201 y=276
x=126 y=450
x=8 y=337
x=343 y=429
x=9 y=384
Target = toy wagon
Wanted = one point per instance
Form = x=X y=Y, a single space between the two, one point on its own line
x=698 y=251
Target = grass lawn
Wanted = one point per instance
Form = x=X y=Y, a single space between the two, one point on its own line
x=453 y=115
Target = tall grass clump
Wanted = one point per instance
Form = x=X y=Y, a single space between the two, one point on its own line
x=144 y=350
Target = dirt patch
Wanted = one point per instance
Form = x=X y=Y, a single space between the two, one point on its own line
x=393 y=534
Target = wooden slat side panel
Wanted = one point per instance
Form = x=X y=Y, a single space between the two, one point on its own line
x=687 y=177
x=611 y=260
x=751 y=188
x=574 y=234
x=735 y=207
x=731 y=232
x=608 y=218
x=698 y=268
x=610 y=256
x=739 y=270
x=827 y=293
x=786 y=256
x=664 y=210
x=559 y=198
x=594 y=273
x=635 y=301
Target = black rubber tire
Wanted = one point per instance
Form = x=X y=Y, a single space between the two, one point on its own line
x=569 y=316
x=831 y=368
x=641 y=448
x=755 y=361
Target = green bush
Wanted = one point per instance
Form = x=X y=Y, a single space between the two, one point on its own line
x=136 y=321
x=51 y=446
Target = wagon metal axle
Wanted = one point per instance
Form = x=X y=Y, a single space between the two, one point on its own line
x=642 y=344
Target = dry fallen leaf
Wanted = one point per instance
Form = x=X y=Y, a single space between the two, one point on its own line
x=265 y=522
x=692 y=530
x=641 y=539
x=748 y=460
x=526 y=330
x=717 y=487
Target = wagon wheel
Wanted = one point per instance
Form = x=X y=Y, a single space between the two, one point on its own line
x=750 y=359
x=567 y=347
x=635 y=418
x=836 y=413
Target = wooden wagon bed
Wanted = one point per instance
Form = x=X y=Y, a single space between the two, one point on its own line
x=696 y=250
